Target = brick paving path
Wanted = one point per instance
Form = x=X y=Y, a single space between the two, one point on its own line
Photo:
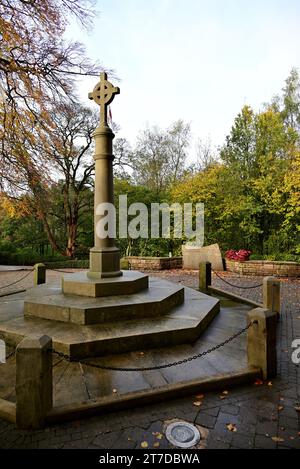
x=263 y=415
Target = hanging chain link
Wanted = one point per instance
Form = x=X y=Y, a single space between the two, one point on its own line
x=17 y=281
x=158 y=367
x=244 y=287
x=61 y=271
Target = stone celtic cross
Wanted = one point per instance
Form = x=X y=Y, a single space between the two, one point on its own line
x=103 y=94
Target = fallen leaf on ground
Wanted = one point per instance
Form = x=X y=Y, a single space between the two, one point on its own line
x=277 y=438
x=222 y=397
x=197 y=403
x=225 y=392
x=159 y=436
x=231 y=427
x=270 y=383
x=200 y=396
x=142 y=353
x=280 y=407
x=156 y=444
x=258 y=382
x=144 y=444
x=114 y=391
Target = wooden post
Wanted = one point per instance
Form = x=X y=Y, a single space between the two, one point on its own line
x=204 y=276
x=261 y=345
x=33 y=381
x=39 y=274
x=271 y=294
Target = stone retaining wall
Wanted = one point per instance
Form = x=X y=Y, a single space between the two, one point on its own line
x=154 y=263
x=264 y=268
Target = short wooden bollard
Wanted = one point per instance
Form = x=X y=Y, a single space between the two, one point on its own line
x=33 y=381
x=204 y=276
x=271 y=294
x=39 y=274
x=261 y=344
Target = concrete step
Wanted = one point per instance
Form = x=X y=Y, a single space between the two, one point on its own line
x=158 y=299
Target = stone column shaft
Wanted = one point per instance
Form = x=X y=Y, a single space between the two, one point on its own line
x=104 y=256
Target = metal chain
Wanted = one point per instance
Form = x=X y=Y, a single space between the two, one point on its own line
x=17 y=281
x=237 y=286
x=61 y=271
x=158 y=367
x=11 y=354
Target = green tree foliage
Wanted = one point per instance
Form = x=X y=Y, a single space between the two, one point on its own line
x=251 y=188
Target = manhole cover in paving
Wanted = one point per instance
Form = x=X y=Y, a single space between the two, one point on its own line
x=182 y=434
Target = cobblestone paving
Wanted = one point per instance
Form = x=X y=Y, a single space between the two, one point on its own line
x=262 y=415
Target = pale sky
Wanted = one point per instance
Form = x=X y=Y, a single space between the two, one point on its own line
x=198 y=60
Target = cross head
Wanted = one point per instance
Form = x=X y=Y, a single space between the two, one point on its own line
x=103 y=94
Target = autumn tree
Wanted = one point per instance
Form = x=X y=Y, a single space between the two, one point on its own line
x=37 y=67
x=160 y=155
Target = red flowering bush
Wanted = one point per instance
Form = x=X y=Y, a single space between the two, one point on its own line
x=241 y=255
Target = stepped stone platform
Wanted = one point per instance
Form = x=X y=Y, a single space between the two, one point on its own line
x=80 y=390
x=165 y=314
x=159 y=299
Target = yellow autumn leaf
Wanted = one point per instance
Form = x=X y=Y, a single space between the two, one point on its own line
x=231 y=427
x=277 y=439
x=144 y=444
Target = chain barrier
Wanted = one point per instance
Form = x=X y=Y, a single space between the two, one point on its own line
x=17 y=281
x=61 y=271
x=244 y=287
x=11 y=354
x=158 y=367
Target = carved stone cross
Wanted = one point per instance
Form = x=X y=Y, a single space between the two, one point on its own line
x=103 y=94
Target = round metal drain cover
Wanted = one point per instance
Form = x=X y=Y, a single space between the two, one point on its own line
x=182 y=434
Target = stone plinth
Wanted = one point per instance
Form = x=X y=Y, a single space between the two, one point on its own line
x=83 y=285
x=193 y=255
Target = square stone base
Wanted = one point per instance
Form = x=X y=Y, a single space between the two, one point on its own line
x=104 y=263
x=81 y=284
